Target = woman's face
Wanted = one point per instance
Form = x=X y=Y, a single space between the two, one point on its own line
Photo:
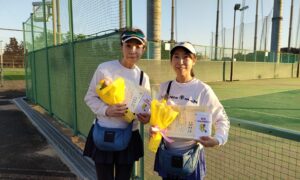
x=132 y=52
x=182 y=63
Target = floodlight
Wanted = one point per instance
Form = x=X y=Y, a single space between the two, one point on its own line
x=38 y=15
x=237 y=6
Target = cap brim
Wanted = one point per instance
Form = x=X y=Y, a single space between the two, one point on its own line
x=131 y=38
x=185 y=46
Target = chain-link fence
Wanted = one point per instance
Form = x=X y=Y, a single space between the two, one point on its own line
x=256 y=151
x=61 y=58
x=253 y=151
x=245 y=34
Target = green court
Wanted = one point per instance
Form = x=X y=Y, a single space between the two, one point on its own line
x=270 y=101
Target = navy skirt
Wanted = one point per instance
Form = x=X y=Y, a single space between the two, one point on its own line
x=133 y=152
x=198 y=174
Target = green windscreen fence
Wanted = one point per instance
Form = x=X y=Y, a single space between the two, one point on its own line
x=56 y=58
x=59 y=70
x=28 y=76
x=88 y=55
x=41 y=82
x=61 y=83
x=57 y=91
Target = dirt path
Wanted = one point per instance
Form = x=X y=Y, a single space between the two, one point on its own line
x=12 y=89
x=25 y=153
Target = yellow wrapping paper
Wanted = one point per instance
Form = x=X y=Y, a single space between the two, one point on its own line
x=129 y=116
x=162 y=115
x=113 y=93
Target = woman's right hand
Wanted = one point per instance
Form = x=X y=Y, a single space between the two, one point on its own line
x=208 y=141
x=116 y=110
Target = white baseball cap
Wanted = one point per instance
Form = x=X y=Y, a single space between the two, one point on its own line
x=186 y=45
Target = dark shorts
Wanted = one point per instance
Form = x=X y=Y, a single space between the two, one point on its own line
x=133 y=152
x=198 y=174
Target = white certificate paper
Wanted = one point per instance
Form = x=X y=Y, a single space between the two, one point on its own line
x=191 y=123
x=137 y=98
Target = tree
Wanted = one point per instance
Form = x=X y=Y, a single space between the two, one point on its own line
x=13 y=53
x=13 y=48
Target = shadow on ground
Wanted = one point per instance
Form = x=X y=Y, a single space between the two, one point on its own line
x=25 y=153
x=10 y=94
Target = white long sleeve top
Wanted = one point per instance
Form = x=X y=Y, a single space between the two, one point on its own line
x=197 y=93
x=112 y=70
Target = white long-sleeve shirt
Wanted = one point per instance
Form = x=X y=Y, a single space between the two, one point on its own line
x=197 y=93
x=112 y=70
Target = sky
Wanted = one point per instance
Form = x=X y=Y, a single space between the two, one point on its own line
x=195 y=19
x=12 y=14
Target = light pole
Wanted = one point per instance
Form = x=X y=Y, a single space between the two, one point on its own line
x=1 y=70
x=217 y=31
x=236 y=7
x=255 y=29
x=172 y=23
x=291 y=24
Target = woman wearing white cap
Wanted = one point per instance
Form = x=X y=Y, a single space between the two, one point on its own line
x=190 y=91
x=117 y=164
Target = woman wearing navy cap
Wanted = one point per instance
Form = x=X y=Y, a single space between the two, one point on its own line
x=118 y=164
x=186 y=90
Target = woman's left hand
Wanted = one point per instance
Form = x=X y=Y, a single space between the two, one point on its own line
x=208 y=141
x=143 y=118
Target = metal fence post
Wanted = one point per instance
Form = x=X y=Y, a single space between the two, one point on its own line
x=33 y=63
x=298 y=66
x=224 y=69
x=129 y=24
x=24 y=43
x=71 y=42
x=47 y=59
x=25 y=63
x=128 y=13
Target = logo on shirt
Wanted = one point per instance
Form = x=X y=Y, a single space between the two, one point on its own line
x=182 y=97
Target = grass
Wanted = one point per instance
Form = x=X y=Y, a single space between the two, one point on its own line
x=14 y=74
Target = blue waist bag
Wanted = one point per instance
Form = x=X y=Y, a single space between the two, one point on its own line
x=111 y=139
x=179 y=163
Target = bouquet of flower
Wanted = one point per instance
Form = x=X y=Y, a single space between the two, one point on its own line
x=162 y=115
x=113 y=92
